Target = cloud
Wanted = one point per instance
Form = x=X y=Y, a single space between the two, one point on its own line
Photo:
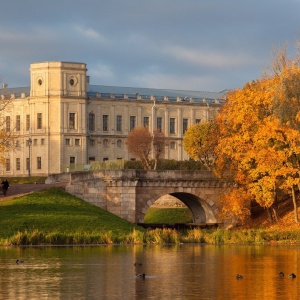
x=212 y=58
x=90 y=33
x=192 y=44
x=101 y=73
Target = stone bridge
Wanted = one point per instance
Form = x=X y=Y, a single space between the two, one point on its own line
x=129 y=193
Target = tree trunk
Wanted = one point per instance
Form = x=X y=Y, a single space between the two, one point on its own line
x=155 y=164
x=274 y=207
x=269 y=215
x=275 y=214
x=295 y=204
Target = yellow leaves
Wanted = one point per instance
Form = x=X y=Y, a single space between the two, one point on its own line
x=199 y=140
x=233 y=204
x=259 y=134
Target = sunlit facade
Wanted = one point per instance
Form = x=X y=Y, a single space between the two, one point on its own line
x=61 y=120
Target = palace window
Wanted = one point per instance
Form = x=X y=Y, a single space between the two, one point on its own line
x=39 y=121
x=18 y=123
x=67 y=142
x=146 y=122
x=72 y=162
x=77 y=142
x=105 y=143
x=18 y=164
x=42 y=141
x=119 y=143
x=119 y=123
x=91 y=122
x=27 y=122
x=7 y=164
x=159 y=124
x=39 y=163
x=185 y=123
x=7 y=123
x=198 y=121
x=105 y=123
x=92 y=142
x=132 y=122
x=172 y=125
x=72 y=121
x=172 y=145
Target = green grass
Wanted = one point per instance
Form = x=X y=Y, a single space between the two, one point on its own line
x=168 y=215
x=54 y=217
x=54 y=212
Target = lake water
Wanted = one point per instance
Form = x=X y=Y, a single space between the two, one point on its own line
x=172 y=272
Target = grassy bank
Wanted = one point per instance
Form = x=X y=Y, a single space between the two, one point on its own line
x=53 y=217
x=168 y=215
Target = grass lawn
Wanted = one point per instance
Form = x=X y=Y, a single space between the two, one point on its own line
x=168 y=215
x=54 y=217
x=55 y=211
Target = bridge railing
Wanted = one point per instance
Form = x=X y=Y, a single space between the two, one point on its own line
x=93 y=166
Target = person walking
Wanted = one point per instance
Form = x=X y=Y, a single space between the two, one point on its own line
x=5 y=186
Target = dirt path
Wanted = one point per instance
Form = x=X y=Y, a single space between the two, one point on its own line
x=23 y=189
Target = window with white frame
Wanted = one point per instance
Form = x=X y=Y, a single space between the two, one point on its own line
x=72 y=120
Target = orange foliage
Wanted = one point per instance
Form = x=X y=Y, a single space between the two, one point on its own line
x=259 y=139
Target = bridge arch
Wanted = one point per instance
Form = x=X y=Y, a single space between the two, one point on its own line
x=129 y=193
x=201 y=211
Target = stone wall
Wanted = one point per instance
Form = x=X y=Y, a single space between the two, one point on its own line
x=129 y=193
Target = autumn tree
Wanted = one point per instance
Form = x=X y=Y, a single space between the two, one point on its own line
x=199 y=142
x=238 y=123
x=142 y=144
x=259 y=137
x=159 y=143
x=7 y=136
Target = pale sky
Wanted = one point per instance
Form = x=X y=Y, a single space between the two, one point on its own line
x=204 y=45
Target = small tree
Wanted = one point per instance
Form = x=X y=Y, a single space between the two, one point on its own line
x=141 y=143
x=159 y=143
x=199 y=143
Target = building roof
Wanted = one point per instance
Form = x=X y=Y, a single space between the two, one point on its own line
x=17 y=91
x=105 y=91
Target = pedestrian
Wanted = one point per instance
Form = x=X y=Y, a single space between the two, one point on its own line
x=5 y=186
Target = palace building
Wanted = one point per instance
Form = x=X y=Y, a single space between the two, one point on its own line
x=61 y=120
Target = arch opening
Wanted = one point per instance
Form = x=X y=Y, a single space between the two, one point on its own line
x=201 y=212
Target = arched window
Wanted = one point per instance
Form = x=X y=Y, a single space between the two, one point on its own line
x=119 y=143
x=105 y=143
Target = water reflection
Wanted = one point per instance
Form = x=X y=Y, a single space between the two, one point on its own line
x=172 y=272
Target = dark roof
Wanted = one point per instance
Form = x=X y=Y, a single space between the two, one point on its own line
x=103 y=89
x=145 y=93
x=17 y=91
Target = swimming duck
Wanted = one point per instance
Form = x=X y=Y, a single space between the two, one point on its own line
x=19 y=261
x=239 y=276
x=141 y=275
x=292 y=275
x=281 y=274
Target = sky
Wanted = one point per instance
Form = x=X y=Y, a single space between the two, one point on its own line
x=202 y=45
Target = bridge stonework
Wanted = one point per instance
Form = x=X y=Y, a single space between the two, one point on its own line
x=129 y=193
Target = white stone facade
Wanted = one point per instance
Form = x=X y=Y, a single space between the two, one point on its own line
x=70 y=122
